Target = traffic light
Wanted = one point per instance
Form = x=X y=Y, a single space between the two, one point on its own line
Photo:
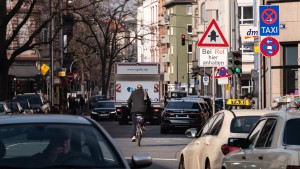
x=183 y=39
x=237 y=62
x=230 y=65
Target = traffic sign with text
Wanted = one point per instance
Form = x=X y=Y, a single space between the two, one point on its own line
x=213 y=57
x=269 y=20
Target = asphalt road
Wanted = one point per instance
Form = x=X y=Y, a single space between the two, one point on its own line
x=161 y=147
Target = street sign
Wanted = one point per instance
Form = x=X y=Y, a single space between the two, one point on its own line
x=221 y=72
x=70 y=76
x=269 y=20
x=213 y=36
x=269 y=46
x=44 y=69
x=205 y=80
x=223 y=80
x=213 y=57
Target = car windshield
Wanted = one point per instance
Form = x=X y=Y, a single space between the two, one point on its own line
x=28 y=145
x=290 y=133
x=183 y=105
x=105 y=104
x=243 y=124
x=33 y=99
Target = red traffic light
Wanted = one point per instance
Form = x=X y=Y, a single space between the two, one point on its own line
x=183 y=39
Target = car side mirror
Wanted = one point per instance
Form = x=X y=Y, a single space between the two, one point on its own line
x=191 y=132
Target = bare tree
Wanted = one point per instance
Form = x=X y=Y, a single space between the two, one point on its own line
x=107 y=34
x=24 y=14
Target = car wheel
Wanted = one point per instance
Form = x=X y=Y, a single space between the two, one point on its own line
x=181 y=163
x=207 y=164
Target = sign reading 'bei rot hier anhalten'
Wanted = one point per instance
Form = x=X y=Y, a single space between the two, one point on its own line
x=212 y=57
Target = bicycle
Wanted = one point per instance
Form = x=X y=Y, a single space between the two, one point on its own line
x=139 y=128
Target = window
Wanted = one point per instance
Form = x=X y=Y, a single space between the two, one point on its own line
x=265 y=133
x=256 y=130
x=189 y=29
x=189 y=10
x=203 y=14
x=291 y=136
x=290 y=69
x=243 y=124
x=207 y=126
x=190 y=48
x=217 y=125
x=245 y=14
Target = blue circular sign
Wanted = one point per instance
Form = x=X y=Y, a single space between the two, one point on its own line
x=222 y=71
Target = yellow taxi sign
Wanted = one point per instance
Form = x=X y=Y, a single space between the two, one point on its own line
x=238 y=102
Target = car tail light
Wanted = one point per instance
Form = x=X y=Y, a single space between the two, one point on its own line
x=292 y=167
x=156 y=110
x=118 y=110
x=227 y=149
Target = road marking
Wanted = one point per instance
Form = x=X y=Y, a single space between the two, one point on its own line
x=158 y=159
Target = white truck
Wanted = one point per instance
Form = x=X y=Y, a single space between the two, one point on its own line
x=127 y=76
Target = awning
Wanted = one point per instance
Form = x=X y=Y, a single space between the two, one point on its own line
x=23 y=70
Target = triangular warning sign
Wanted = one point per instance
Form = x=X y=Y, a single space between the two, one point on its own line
x=213 y=37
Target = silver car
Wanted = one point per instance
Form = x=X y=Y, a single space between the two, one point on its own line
x=60 y=141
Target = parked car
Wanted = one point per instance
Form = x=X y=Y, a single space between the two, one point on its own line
x=37 y=101
x=94 y=99
x=25 y=105
x=4 y=108
x=15 y=107
x=274 y=143
x=104 y=110
x=209 y=146
x=25 y=140
x=182 y=114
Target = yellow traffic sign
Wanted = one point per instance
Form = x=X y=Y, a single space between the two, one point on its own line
x=44 y=69
x=238 y=102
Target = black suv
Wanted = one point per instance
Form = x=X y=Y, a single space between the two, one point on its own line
x=183 y=114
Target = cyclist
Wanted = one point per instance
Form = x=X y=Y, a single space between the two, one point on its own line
x=138 y=103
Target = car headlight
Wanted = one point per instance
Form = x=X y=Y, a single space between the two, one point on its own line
x=93 y=112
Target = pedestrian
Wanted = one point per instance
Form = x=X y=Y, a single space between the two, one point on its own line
x=138 y=103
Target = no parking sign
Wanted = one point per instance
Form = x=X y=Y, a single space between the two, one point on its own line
x=269 y=47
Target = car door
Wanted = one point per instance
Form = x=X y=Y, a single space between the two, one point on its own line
x=244 y=158
x=263 y=156
x=192 y=155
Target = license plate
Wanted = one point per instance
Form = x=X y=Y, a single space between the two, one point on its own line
x=103 y=115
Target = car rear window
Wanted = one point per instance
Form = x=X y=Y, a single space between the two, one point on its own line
x=183 y=105
x=291 y=136
x=243 y=124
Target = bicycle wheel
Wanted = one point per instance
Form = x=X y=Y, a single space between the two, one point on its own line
x=139 y=134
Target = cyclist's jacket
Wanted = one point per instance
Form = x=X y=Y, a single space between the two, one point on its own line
x=139 y=101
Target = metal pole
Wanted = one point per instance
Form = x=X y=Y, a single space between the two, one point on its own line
x=213 y=89
x=51 y=58
x=270 y=86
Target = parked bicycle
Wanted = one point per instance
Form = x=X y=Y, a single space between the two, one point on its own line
x=139 y=128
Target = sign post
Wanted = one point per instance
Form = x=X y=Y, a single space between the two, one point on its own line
x=269 y=26
x=213 y=52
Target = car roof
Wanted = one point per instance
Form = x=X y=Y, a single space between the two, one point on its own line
x=42 y=118
x=183 y=100
x=109 y=100
x=248 y=112
x=284 y=114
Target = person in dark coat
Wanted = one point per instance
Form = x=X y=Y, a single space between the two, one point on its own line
x=138 y=103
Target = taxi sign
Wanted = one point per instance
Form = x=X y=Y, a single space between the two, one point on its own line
x=238 y=102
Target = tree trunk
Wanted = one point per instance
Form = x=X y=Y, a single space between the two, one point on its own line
x=4 y=82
